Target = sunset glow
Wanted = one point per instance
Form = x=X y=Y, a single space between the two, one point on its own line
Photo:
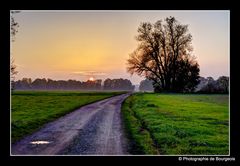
x=91 y=79
x=89 y=45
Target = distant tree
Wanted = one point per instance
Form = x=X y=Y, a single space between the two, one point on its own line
x=202 y=83
x=223 y=83
x=62 y=84
x=164 y=56
x=107 y=84
x=98 y=84
x=25 y=83
x=114 y=84
x=146 y=85
x=118 y=84
x=209 y=85
x=39 y=83
x=72 y=84
x=51 y=84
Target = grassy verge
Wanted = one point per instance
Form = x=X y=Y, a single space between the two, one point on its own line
x=172 y=124
x=32 y=109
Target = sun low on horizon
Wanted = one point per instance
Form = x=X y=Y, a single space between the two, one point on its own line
x=91 y=79
x=91 y=45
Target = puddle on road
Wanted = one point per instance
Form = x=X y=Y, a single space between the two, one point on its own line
x=39 y=142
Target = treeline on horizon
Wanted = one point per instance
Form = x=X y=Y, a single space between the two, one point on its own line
x=206 y=85
x=49 y=84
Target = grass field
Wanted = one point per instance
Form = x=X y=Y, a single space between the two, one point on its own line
x=32 y=109
x=172 y=124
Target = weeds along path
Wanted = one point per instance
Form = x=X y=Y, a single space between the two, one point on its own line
x=94 y=129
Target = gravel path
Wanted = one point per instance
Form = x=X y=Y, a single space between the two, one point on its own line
x=94 y=129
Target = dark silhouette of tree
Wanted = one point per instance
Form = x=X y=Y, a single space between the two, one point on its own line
x=118 y=84
x=45 y=84
x=164 y=55
x=209 y=85
x=39 y=83
x=107 y=84
x=26 y=83
x=98 y=84
x=14 y=25
x=187 y=76
x=23 y=84
x=14 y=30
x=146 y=85
x=51 y=84
x=223 y=83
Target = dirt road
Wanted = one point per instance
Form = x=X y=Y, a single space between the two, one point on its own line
x=94 y=129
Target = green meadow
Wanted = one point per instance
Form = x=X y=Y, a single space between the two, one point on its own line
x=30 y=110
x=177 y=124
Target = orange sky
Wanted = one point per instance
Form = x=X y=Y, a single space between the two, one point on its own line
x=81 y=44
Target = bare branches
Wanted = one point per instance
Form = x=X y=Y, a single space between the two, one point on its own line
x=161 y=48
x=14 y=30
x=13 y=67
x=14 y=24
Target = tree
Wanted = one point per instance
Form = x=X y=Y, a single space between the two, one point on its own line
x=107 y=84
x=118 y=84
x=13 y=73
x=114 y=84
x=146 y=85
x=39 y=83
x=14 y=30
x=164 y=56
x=14 y=25
x=209 y=85
x=223 y=83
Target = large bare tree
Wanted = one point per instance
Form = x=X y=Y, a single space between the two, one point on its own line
x=164 y=55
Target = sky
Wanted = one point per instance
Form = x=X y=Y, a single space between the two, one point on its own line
x=83 y=44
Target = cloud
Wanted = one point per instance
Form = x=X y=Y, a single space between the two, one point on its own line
x=18 y=65
x=89 y=73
